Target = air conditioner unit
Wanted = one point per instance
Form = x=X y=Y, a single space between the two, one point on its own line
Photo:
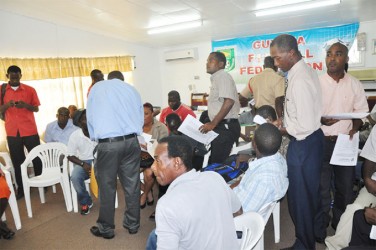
x=181 y=54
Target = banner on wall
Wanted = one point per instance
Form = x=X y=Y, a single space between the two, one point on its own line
x=245 y=55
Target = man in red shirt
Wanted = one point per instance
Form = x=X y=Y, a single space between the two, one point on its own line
x=175 y=106
x=19 y=104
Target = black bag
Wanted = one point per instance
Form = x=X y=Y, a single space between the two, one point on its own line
x=232 y=168
x=146 y=160
x=3 y=88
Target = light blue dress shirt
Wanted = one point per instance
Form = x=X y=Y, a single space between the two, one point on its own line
x=55 y=134
x=114 y=108
x=265 y=181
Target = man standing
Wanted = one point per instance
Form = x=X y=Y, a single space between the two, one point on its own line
x=341 y=93
x=267 y=88
x=19 y=104
x=302 y=114
x=197 y=210
x=61 y=129
x=115 y=118
x=175 y=106
x=223 y=109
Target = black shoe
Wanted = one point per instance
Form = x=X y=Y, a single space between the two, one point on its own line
x=95 y=231
x=131 y=231
x=5 y=232
x=287 y=248
x=143 y=205
x=320 y=240
x=20 y=195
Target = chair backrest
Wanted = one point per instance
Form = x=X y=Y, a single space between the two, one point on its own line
x=236 y=150
x=252 y=225
x=266 y=210
x=51 y=155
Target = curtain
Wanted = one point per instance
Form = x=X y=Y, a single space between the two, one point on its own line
x=61 y=82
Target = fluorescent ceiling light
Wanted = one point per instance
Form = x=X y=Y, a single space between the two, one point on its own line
x=296 y=7
x=175 y=27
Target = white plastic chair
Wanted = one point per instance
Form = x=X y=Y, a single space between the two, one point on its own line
x=87 y=186
x=9 y=166
x=12 y=200
x=52 y=173
x=252 y=225
x=272 y=208
x=206 y=159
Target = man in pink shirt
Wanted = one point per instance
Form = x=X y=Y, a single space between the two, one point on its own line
x=175 y=106
x=341 y=93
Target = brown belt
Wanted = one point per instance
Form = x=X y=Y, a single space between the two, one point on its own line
x=331 y=138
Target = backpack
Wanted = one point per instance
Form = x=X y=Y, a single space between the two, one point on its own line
x=231 y=168
x=3 y=88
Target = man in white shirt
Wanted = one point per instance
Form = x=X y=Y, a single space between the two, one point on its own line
x=198 y=208
x=80 y=152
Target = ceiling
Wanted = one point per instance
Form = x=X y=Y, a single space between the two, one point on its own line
x=222 y=19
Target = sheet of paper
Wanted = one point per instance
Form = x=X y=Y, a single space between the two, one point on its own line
x=144 y=139
x=345 y=151
x=190 y=127
x=259 y=120
x=347 y=116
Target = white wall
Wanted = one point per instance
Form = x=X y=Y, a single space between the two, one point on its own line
x=369 y=29
x=23 y=37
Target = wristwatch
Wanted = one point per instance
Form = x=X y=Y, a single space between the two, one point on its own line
x=82 y=163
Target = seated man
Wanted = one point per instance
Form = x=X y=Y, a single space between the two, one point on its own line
x=80 y=152
x=175 y=106
x=61 y=129
x=197 y=210
x=366 y=196
x=173 y=122
x=364 y=220
x=266 y=179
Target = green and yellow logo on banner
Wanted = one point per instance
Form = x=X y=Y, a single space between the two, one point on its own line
x=230 y=58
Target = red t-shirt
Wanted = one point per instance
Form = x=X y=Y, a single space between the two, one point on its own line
x=182 y=112
x=17 y=119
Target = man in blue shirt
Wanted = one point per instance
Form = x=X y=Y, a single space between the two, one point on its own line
x=61 y=129
x=115 y=118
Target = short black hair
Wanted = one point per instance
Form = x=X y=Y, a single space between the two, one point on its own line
x=178 y=146
x=220 y=57
x=174 y=93
x=269 y=62
x=268 y=139
x=149 y=106
x=267 y=111
x=285 y=43
x=173 y=121
x=115 y=75
x=14 y=69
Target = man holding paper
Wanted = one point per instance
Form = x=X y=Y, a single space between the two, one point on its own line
x=223 y=109
x=341 y=93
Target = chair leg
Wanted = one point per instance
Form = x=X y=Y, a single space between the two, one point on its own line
x=67 y=196
x=41 y=195
x=74 y=198
x=277 y=222
x=28 y=201
x=54 y=189
x=116 y=200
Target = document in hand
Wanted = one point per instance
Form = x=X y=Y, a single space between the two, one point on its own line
x=190 y=127
x=347 y=116
x=345 y=151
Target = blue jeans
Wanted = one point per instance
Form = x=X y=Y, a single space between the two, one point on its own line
x=151 y=243
x=78 y=178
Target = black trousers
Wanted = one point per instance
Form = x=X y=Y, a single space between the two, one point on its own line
x=16 y=146
x=228 y=134
x=360 y=231
x=343 y=178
